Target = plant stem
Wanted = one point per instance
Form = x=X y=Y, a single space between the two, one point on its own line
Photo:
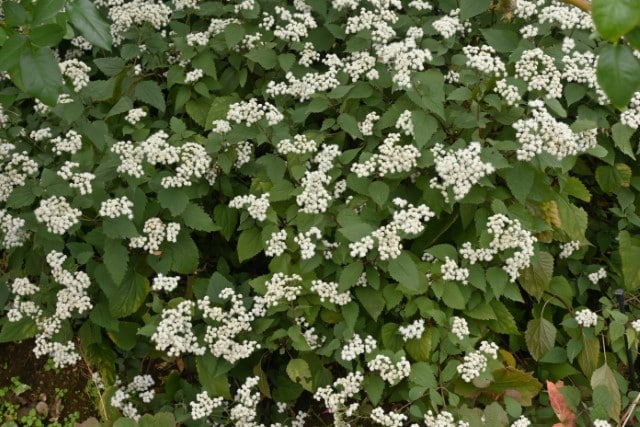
x=582 y=4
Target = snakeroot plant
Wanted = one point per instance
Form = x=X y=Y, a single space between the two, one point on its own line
x=326 y=212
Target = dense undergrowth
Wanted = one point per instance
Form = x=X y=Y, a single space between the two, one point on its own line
x=375 y=212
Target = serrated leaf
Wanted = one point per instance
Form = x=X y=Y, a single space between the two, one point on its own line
x=614 y=18
x=299 y=372
x=535 y=279
x=629 y=249
x=47 y=35
x=471 y=8
x=116 y=259
x=45 y=10
x=249 y=244
x=374 y=386
x=41 y=75
x=265 y=56
x=119 y=228
x=603 y=376
x=621 y=135
x=371 y=300
x=110 y=66
x=520 y=181
x=379 y=192
x=11 y=51
x=504 y=323
x=540 y=337
x=127 y=298
x=559 y=404
x=173 y=199
x=349 y=124
x=404 y=270
x=150 y=93
x=212 y=374
x=574 y=187
x=420 y=349
x=522 y=386
x=185 y=254
x=85 y=17
x=618 y=73
x=195 y=217
x=423 y=374
x=589 y=357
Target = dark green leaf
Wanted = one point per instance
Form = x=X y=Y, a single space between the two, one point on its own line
x=173 y=199
x=618 y=73
x=371 y=300
x=196 y=218
x=614 y=18
x=265 y=56
x=185 y=254
x=299 y=372
x=45 y=10
x=110 y=66
x=116 y=259
x=249 y=244
x=150 y=93
x=603 y=376
x=129 y=296
x=41 y=75
x=471 y=8
x=11 y=51
x=630 y=255
x=85 y=17
x=540 y=337
x=501 y=40
x=47 y=35
x=535 y=279
x=403 y=269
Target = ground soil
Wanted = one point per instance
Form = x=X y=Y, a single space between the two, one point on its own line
x=18 y=360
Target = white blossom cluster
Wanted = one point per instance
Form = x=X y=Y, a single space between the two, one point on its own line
x=277 y=244
x=300 y=145
x=123 y=15
x=204 y=405
x=509 y=92
x=329 y=291
x=597 y=276
x=566 y=16
x=165 y=283
x=310 y=83
x=459 y=170
x=251 y=112
x=538 y=69
x=388 y=419
x=509 y=234
x=76 y=71
x=174 y=334
x=57 y=214
x=636 y=325
x=451 y=271
x=366 y=127
x=40 y=134
x=243 y=153
x=449 y=25
x=522 y=421
x=566 y=249
x=14 y=169
x=118 y=206
x=409 y=219
x=586 y=318
x=631 y=116
x=140 y=386
x=256 y=207
x=336 y=396
x=405 y=123
x=402 y=58
x=483 y=58
x=245 y=410
x=475 y=362
x=308 y=55
x=459 y=327
x=314 y=198
x=135 y=115
x=79 y=180
x=357 y=346
x=442 y=419
x=229 y=323
x=391 y=372
x=306 y=243
x=280 y=287
x=294 y=26
x=391 y=158
x=360 y=64
x=156 y=232
x=13 y=230
x=193 y=75
x=542 y=132
x=413 y=330
x=314 y=340
x=70 y=143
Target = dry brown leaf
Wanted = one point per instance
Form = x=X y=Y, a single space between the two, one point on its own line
x=559 y=404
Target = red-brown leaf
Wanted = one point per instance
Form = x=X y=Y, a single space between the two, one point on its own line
x=559 y=404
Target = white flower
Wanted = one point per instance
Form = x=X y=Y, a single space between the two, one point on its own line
x=390 y=419
x=277 y=244
x=389 y=371
x=57 y=214
x=257 y=207
x=119 y=206
x=522 y=421
x=569 y=248
x=164 y=283
x=597 y=276
x=413 y=330
x=204 y=405
x=135 y=115
x=586 y=318
x=459 y=327
x=193 y=75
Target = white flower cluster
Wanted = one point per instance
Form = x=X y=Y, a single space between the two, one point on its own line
x=277 y=244
x=567 y=17
x=156 y=232
x=306 y=243
x=459 y=327
x=123 y=15
x=366 y=127
x=580 y=67
x=475 y=362
x=309 y=84
x=15 y=171
x=204 y=405
x=119 y=206
x=309 y=332
x=356 y=346
x=360 y=63
x=329 y=291
x=70 y=143
x=77 y=71
x=522 y=421
x=165 y=283
x=140 y=386
x=314 y=198
x=280 y=287
x=193 y=75
x=597 y=276
x=544 y=133
x=460 y=169
x=194 y=161
x=391 y=372
x=509 y=93
x=40 y=134
x=538 y=69
x=300 y=145
x=413 y=330
x=483 y=58
x=566 y=249
x=174 y=334
x=295 y=26
x=230 y=322
x=135 y=115
x=405 y=123
x=392 y=158
x=631 y=116
x=586 y=318
x=80 y=180
x=636 y=325
x=442 y=419
x=13 y=229
x=335 y=396
x=402 y=58
x=451 y=271
x=256 y=207
x=308 y=55
x=409 y=220
x=390 y=419
x=243 y=153
x=449 y=25
x=509 y=234
x=57 y=214
x=251 y=112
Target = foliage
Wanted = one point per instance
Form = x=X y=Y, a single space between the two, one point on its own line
x=362 y=212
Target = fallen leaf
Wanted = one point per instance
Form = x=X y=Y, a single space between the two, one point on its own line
x=559 y=404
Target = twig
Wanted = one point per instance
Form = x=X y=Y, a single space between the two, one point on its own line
x=585 y=5
x=627 y=415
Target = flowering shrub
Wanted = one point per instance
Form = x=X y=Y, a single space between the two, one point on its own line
x=375 y=212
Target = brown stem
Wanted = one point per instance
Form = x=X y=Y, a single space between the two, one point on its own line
x=585 y=5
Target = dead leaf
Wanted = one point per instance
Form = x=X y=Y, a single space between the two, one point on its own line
x=559 y=404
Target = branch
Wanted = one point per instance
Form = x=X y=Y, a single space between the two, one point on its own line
x=585 y=5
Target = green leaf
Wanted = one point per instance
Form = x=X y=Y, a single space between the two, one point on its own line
x=540 y=337
x=173 y=199
x=161 y=419
x=520 y=181
x=110 y=66
x=504 y=323
x=404 y=270
x=125 y=422
x=622 y=138
x=494 y=415
x=471 y=8
x=573 y=221
x=574 y=187
x=21 y=197
x=249 y=244
x=618 y=73
x=265 y=56
x=196 y=218
x=15 y=15
x=85 y=17
x=127 y=298
x=379 y=192
x=125 y=335
x=41 y=75
x=185 y=254
x=630 y=254
x=371 y=300
x=11 y=51
x=589 y=357
x=212 y=374
x=522 y=386
x=374 y=386
x=119 y=228
x=299 y=372
x=603 y=376
x=420 y=349
x=424 y=126
x=47 y=35
x=349 y=124
x=535 y=279
x=45 y=10
x=614 y=18
x=233 y=33
x=501 y=40
x=23 y=329
x=116 y=259
x=150 y=93
x=423 y=374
